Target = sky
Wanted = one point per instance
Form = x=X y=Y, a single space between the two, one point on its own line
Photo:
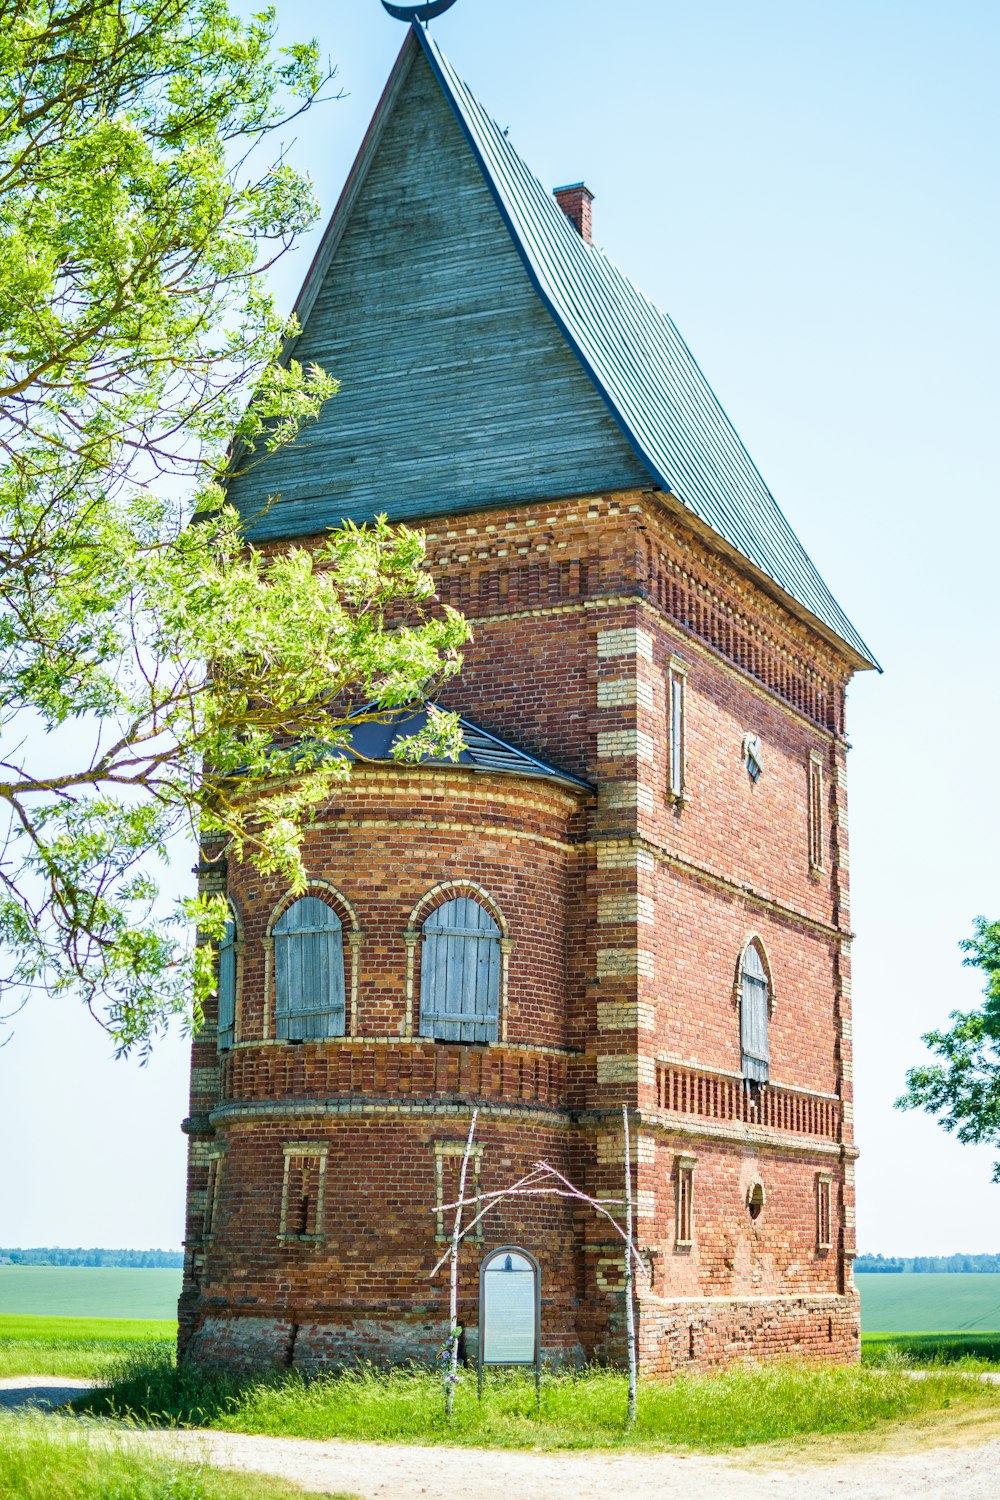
x=809 y=189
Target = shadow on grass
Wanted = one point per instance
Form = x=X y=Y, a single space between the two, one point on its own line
x=148 y=1387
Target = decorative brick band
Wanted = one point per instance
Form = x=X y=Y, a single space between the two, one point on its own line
x=306 y=1109
x=719 y=1096
x=526 y=1076
x=733 y=1132
x=682 y=593
x=698 y=603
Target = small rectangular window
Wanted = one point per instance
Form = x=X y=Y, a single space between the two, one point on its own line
x=824 y=1211
x=815 y=811
x=676 y=731
x=447 y=1171
x=212 y=1187
x=302 y=1192
x=684 y=1189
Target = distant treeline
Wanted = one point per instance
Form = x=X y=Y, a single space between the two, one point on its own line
x=927 y=1263
x=58 y=1256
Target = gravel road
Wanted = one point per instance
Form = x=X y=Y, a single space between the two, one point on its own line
x=378 y=1471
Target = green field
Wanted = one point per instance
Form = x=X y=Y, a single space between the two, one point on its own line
x=923 y=1303
x=88 y=1292
x=929 y=1302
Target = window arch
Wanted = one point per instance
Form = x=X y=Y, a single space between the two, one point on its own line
x=226 y=1029
x=755 y=1005
x=308 y=971
x=460 y=970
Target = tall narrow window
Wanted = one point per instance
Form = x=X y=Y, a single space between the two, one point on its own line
x=815 y=812
x=460 y=973
x=212 y=1188
x=308 y=971
x=754 y=1007
x=685 y=1201
x=227 y=988
x=447 y=1172
x=302 y=1192
x=753 y=756
x=824 y=1211
x=676 y=731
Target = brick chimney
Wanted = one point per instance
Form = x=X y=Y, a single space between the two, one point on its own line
x=575 y=201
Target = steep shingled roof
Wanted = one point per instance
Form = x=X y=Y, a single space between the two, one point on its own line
x=642 y=368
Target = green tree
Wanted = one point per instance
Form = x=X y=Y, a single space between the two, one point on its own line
x=963 y=1089
x=158 y=676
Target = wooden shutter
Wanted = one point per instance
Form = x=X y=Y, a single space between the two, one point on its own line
x=753 y=1018
x=309 y=971
x=460 y=974
x=227 y=988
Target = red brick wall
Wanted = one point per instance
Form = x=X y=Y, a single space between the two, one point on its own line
x=626 y=914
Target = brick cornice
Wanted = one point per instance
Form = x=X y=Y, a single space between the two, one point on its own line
x=638 y=598
x=691 y=1127
x=360 y=1105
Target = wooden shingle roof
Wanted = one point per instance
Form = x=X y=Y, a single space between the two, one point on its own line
x=489 y=356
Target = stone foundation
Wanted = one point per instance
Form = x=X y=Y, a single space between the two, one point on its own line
x=673 y=1337
x=247 y=1344
x=703 y=1335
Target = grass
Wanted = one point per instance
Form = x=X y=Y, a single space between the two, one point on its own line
x=43 y=1458
x=967 y=1350
x=741 y=1407
x=86 y=1348
x=935 y=1302
x=89 y=1291
x=737 y=1408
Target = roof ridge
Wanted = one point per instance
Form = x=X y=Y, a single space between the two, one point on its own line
x=657 y=394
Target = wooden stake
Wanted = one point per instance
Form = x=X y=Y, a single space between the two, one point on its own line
x=451 y=1368
x=629 y=1308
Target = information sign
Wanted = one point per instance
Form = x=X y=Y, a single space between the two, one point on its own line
x=509 y=1309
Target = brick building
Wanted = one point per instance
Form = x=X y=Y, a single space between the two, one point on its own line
x=633 y=886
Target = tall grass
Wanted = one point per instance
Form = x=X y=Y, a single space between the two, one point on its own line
x=43 y=1458
x=736 y=1408
x=966 y=1351
x=90 y=1349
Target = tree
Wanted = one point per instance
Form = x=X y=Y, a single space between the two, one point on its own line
x=158 y=676
x=963 y=1090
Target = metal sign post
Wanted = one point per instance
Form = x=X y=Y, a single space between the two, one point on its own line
x=510 y=1312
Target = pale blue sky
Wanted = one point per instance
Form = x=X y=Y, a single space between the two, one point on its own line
x=810 y=190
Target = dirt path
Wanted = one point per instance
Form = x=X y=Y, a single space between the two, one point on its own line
x=379 y=1471
x=45 y=1391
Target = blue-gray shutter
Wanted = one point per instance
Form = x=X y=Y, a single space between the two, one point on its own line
x=308 y=971
x=227 y=988
x=460 y=974
x=753 y=1018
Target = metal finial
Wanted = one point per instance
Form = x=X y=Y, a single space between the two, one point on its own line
x=424 y=13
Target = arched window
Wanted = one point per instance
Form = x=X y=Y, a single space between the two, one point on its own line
x=308 y=971
x=460 y=973
x=754 y=1005
x=227 y=987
